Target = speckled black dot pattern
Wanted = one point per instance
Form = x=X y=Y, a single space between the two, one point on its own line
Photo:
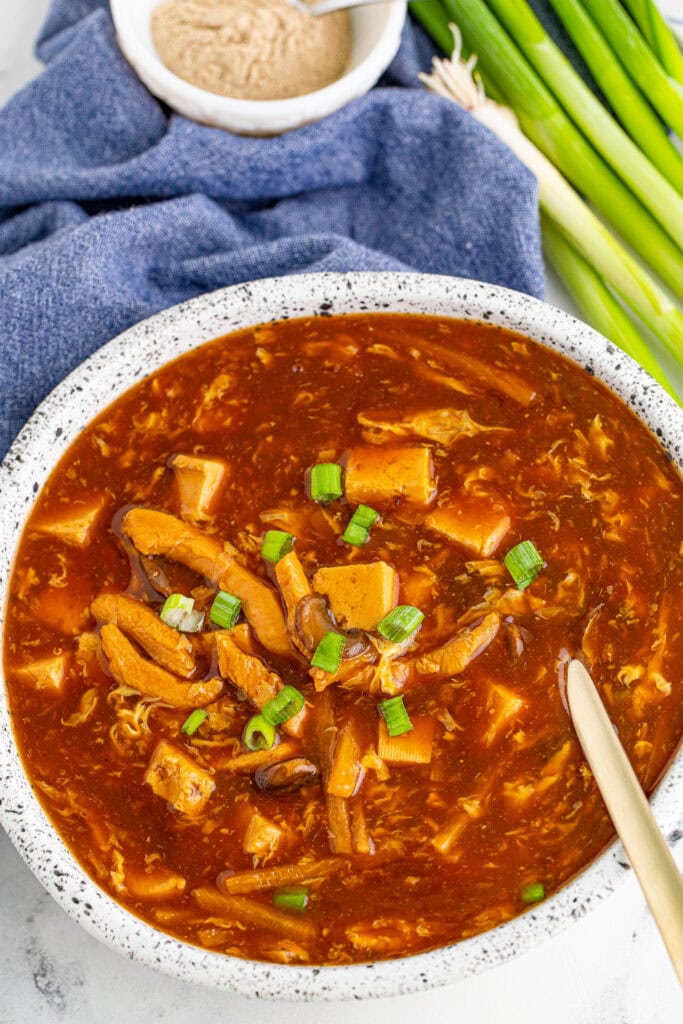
x=124 y=362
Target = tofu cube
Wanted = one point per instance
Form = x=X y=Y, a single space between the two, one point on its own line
x=262 y=835
x=175 y=777
x=200 y=480
x=502 y=705
x=382 y=474
x=47 y=674
x=76 y=526
x=359 y=595
x=477 y=526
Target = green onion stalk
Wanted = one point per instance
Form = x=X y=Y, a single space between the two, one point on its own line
x=596 y=302
x=608 y=137
x=664 y=92
x=658 y=34
x=626 y=100
x=587 y=235
x=544 y=121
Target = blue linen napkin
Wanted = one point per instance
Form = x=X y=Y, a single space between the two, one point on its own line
x=112 y=207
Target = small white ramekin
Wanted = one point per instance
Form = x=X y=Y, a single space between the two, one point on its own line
x=376 y=34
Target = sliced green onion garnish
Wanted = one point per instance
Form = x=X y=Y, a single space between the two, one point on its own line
x=365 y=516
x=225 y=610
x=276 y=544
x=326 y=482
x=400 y=623
x=283 y=706
x=532 y=893
x=294 y=898
x=193 y=721
x=358 y=530
x=328 y=653
x=524 y=563
x=178 y=613
x=258 y=734
x=394 y=713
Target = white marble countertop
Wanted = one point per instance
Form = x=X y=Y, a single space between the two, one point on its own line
x=608 y=968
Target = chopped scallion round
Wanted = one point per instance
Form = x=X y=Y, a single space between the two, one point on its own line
x=400 y=623
x=358 y=530
x=394 y=713
x=225 y=610
x=365 y=516
x=533 y=893
x=328 y=653
x=178 y=613
x=294 y=898
x=326 y=482
x=276 y=544
x=193 y=721
x=283 y=706
x=258 y=734
x=356 y=535
x=524 y=563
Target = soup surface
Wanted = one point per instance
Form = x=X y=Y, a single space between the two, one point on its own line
x=352 y=830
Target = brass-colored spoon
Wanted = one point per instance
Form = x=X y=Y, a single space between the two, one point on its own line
x=629 y=810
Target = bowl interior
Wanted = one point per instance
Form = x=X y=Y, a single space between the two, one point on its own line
x=99 y=381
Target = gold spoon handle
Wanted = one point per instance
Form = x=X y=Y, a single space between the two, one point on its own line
x=629 y=810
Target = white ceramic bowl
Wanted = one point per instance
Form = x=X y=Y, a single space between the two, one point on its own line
x=376 y=34
x=125 y=361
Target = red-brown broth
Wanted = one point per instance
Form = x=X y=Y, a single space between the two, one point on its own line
x=577 y=473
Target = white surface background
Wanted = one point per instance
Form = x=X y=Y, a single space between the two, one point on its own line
x=609 y=968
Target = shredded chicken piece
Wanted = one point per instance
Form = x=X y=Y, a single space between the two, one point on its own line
x=132 y=670
x=157 y=533
x=170 y=648
x=454 y=656
x=249 y=674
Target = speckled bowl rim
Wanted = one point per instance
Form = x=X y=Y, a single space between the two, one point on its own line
x=123 y=362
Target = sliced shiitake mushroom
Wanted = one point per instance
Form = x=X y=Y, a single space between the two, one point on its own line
x=286 y=775
x=313 y=619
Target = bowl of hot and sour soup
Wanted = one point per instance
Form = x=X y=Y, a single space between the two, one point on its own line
x=292 y=573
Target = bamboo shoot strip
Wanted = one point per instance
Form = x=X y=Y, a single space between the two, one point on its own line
x=287 y=874
x=240 y=911
x=586 y=232
x=596 y=301
x=664 y=93
x=588 y=113
x=627 y=101
x=658 y=34
x=544 y=121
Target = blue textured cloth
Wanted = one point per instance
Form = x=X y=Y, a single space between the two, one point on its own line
x=112 y=208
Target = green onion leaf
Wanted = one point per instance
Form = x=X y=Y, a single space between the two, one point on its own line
x=532 y=893
x=328 y=653
x=400 y=623
x=225 y=610
x=258 y=734
x=276 y=544
x=394 y=713
x=524 y=563
x=193 y=721
x=293 y=898
x=326 y=482
x=178 y=613
x=358 y=530
x=283 y=706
